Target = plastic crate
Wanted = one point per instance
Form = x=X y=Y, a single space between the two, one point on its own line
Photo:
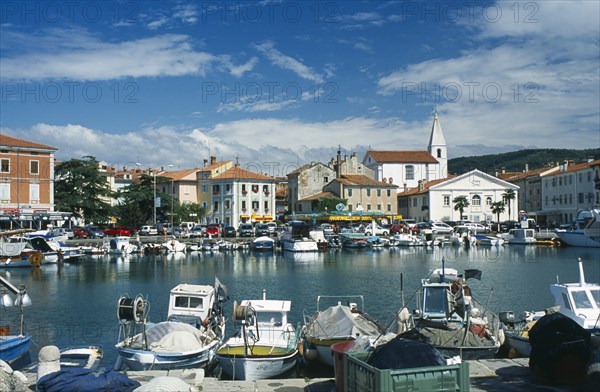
x=361 y=377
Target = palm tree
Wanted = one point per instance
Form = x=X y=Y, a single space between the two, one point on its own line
x=460 y=203
x=508 y=196
x=498 y=208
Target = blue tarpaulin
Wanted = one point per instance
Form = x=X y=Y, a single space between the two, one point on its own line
x=88 y=380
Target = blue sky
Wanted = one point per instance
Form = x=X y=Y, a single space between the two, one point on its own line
x=284 y=83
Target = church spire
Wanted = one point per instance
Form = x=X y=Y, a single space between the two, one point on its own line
x=437 y=147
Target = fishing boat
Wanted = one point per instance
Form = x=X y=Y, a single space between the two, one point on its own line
x=520 y=236
x=404 y=239
x=486 y=240
x=80 y=357
x=586 y=231
x=121 y=245
x=353 y=239
x=452 y=320
x=14 y=347
x=266 y=344
x=263 y=243
x=337 y=323
x=194 y=329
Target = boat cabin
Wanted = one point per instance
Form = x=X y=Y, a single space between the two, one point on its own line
x=445 y=297
x=269 y=312
x=579 y=301
x=191 y=303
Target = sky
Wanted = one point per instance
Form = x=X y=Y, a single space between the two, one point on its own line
x=276 y=84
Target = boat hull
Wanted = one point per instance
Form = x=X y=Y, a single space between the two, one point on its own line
x=577 y=238
x=148 y=360
x=13 y=347
x=256 y=368
x=299 y=246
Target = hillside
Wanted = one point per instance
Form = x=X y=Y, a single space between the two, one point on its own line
x=516 y=160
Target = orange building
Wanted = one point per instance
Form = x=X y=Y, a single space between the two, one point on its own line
x=26 y=178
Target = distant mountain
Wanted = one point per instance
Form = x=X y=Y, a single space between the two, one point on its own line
x=516 y=160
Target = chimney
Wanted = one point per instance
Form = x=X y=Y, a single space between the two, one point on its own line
x=213 y=159
x=205 y=162
x=338 y=166
x=590 y=159
x=527 y=168
x=405 y=187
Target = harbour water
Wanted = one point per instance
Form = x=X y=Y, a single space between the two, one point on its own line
x=76 y=304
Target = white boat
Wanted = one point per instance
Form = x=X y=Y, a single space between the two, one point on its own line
x=404 y=239
x=263 y=243
x=174 y=245
x=12 y=245
x=296 y=238
x=486 y=240
x=579 y=301
x=586 y=232
x=265 y=346
x=337 y=323
x=121 y=245
x=194 y=330
x=81 y=357
x=520 y=236
x=452 y=320
x=351 y=238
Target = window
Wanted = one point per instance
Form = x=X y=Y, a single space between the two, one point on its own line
x=227 y=187
x=389 y=207
x=215 y=189
x=265 y=189
x=34 y=167
x=439 y=152
x=34 y=193
x=488 y=201
x=580 y=197
x=410 y=172
x=368 y=207
x=389 y=192
x=244 y=191
x=415 y=202
x=350 y=207
x=378 y=207
x=255 y=205
x=5 y=192
x=446 y=201
x=476 y=200
x=580 y=177
x=243 y=204
x=299 y=207
x=378 y=192
x=216 y=207
x=325 y=180
x=227 y=204
x=266 y=205
x=368 y=192
x=189 y=302
x=424 y=200
x=4 y=165
x=349 y=192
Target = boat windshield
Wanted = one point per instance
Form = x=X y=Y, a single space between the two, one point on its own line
x=581 y=299
x=269 y=317
x=434 y=302
x=189 y=302
x=596 y=296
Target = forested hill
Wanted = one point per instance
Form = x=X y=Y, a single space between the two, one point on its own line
x=516 y=160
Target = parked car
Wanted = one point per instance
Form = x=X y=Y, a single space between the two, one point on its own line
x=80 y=232
x=229 y=231
x=70 y=234
x=441 y=228
x=509 y=224
x=261 y=229
x=246 y=230
x=422 y=227
x=148 y=230
x=408 y=222
x=212 y=230
x=377 y=230
x=118 y=231
x=194 y=232
x=272 y=228
x=94 y=232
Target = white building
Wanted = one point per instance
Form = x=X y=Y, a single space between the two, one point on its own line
x=433 y=200
x=240 y=196
x=406 y=168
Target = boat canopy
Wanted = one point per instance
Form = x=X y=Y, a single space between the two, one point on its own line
x=347 y=324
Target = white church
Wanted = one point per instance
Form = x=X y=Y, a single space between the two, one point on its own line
x=407 y=168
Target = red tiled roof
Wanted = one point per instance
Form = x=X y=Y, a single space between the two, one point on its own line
x=362 y=180
x=575 y=167
x=426 y=186
x=515 y=176
x=238 y=173
x=391 y=156
x=10 y=141
x=179 y=174
x=320 y=195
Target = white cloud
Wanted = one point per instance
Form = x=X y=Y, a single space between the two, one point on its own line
x=286 y=62
x=88 y=58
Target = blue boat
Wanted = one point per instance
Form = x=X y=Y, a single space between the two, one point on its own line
x=263 y=243
x=13 y=347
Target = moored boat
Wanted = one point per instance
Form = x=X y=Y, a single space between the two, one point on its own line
x=337 y=323
x=297 y=238
x=263 y=243
x=14 y=347
x=520 y=236
x=265 y=346
x=194 y=330
x=586 y=232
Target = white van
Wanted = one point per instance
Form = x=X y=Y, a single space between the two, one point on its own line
x=187 y=226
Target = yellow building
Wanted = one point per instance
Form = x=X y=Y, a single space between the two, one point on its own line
x=203 y=177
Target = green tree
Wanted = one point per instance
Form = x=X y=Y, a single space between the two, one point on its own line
x=327 y=204
x=191 y=212
x=498 y=208
x=79 y=188
x=136 y=201
x=460 y=203
x=508 y=196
